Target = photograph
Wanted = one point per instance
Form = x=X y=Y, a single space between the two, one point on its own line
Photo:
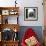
x=30 y=13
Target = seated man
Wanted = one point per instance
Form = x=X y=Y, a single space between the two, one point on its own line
x=30 y=39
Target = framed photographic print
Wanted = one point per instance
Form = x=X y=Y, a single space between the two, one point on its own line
x=5 y=12
x=30 y=13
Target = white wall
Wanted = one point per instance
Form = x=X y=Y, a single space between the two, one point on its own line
x=32 y=3
x=26 y=3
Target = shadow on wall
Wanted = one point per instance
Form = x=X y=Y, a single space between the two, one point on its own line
x=37 y=29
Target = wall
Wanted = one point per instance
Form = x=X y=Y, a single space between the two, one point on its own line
x=36 y=29
x=26 y=3
x=32 y=3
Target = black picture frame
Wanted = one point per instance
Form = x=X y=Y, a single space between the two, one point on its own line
x=30 y=13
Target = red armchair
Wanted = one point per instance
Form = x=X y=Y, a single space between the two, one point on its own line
x=28 y=34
